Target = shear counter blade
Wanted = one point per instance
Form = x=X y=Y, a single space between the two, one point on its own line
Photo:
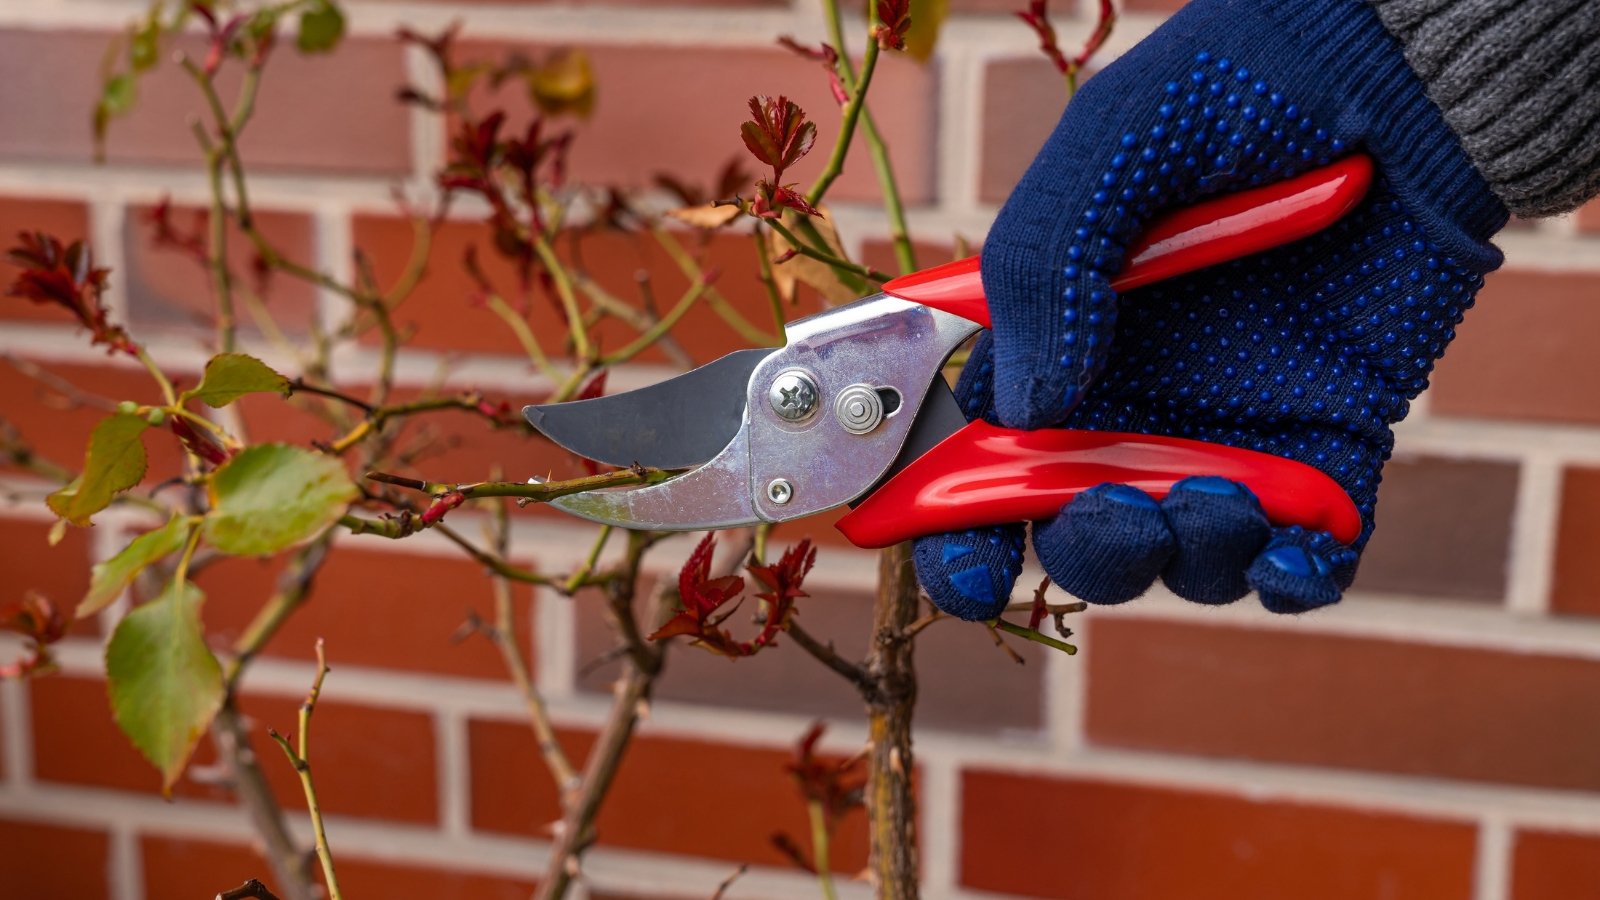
x=675 y=424
x=716 y=495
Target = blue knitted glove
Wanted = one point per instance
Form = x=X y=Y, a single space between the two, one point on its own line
x=1310 y=351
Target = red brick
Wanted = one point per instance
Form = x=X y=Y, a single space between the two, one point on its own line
x=1510 y=363
x=1444 y=529
x=973 y=687
x=672 y=795
x=1041 y=836
x=1555 y=865
x=52 y=862
x=65 y=219
x=443 y=315
x=1022 y=99
x=333 y=113
x=678 y=110
x=879 y=253
x=168 y=289
x=395 y=610
x=57 y=425
x=187 y=867
x=1316 y=699
x=1589 y=217
x=370 y=762
x=60 y=573
x=1576 y=585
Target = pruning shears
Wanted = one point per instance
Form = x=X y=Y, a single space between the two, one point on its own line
x=853 y=408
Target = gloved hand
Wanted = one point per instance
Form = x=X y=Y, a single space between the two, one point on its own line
x=1310 y=351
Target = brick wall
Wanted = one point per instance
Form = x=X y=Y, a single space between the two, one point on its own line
x=1437 y=735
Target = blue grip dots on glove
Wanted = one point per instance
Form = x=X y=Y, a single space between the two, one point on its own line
x=1309 y=351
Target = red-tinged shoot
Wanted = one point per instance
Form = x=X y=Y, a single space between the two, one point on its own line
x=778 y=135
x=894 y=20
x=704 y=597
x=827 y=57
x=40 y=623
x=54 y=274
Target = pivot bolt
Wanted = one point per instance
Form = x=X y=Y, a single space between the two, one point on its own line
x=858 y=408
x=793 y=396
x=780 y=491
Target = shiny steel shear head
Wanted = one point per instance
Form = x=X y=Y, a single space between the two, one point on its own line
x=852 y=408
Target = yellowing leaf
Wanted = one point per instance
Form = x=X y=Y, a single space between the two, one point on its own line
x=165 y=685
x=833 y=285
x=273 y=496
x=116 y=573
x=115 y=461
x=927 y=16
x=563 y=83
x=706 y=215
x=230 y=376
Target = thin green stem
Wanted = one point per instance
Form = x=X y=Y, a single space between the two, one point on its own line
x=300 y=759
x=580 y=577
x=1031 y=635
x=847 y=124
x=691 y=270
x=779 y=319
x=819 y=849
x=524 y=334
x=167 y=392
x=564 y=291
x=655 y=332
x=843 y=265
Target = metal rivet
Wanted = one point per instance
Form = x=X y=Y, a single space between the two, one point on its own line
x=858 y=408
x=780 y=491
x=793 y=396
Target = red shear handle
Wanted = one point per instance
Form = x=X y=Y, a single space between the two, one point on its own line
x=985 y=475
x=1211 y=232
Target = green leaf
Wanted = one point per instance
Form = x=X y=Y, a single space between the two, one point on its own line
x=118 y=94
x=321 y=28
x=230 y=376
x=144 y=48
x=274 y=496
x=116 y=573
x=927 y=16
x=164 y=683
x=115 y=462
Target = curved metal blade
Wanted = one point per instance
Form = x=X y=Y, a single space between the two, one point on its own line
x=674 y=424
x=716 y=495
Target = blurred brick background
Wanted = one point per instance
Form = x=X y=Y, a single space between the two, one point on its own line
x=1437 y=735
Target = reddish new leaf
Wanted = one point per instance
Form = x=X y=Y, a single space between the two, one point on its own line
x=834 y=784
x=771 y=200
x=894 y=20
x=201 y=445
x=65 y=276
x=827 y=57
x=41 y=623
x=782 y=581
x=777 y=133
x=702 y=596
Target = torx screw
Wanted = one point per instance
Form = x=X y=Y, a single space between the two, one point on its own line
x=793 y=396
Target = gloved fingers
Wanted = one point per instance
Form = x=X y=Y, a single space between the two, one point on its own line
x=1301 y=570
x=969 y=574
x=1219 y=529
x=974 y=390
x=1107 y=546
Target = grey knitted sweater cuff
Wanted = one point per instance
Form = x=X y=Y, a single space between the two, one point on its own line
x=1519 y=83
